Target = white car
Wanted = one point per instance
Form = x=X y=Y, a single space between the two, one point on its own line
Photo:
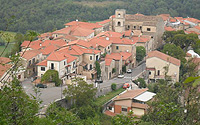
x=121 y=76
x=129 y=71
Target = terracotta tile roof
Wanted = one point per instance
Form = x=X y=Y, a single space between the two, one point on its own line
x=84 y=25
x=104 y=22
x=98 y=41
x=138 y=105
x=73 y=50
x=125 y=41
x=130 y=94
x=70 y=37
x=197 y=27
x=80 y=43
x=117 y=56
x=25 y=43
x=108 y=61
x=164 y=57
x=43 y=63
x=4 y=60
x=79 y=31
x=142 y=39
x=48 y=34
x=165 y=17
x=142 y=18
x=127 y=33
x=56 y=56
x=31 y=53
x=59 y=43
x=48 y=49
x=179 y=18
x=188 y=32
x=169 y=28
x=109 y=34
x=109 y=113
x=90 y=51
x=125 y=55
x=193 y=20
x=172 y=20
x=4 y=68
x=65 y=30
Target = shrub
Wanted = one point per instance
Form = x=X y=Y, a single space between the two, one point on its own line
x=51 y=76
x=113 y=70
x=141 y=83
x=114 y=86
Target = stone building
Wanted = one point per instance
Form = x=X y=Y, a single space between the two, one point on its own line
x=149 y=25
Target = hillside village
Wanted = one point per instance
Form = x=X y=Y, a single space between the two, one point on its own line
x=75 y=50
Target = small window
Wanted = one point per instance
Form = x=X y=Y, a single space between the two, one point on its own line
x=52 y=65
x=64 y=63
x=128 y=27
x=140 y=27
x=74 y=64
x=33 y=60
x=90 y=66
x=117 y=47
x=124 y=109
x=90 y=57
x=29 y=62
x=41 y=75
x=148 y=29
x=158 y=72
x=42 y=68
x=149 y=72
x=119 y=24
x=119 y=14
x=108 y=47
x=134 y=27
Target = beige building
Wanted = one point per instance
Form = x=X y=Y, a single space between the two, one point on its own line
x=158 y=64
x=131 y=100
x=149 y=25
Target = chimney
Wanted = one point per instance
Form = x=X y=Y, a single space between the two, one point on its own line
x=40 y=44
x=76 y=20
x=70 y=48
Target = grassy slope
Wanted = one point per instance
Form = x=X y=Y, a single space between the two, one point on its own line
x=6 y=36
x=103 y=99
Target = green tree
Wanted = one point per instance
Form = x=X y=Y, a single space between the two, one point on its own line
x=98 y=69
x=140 y=53
x=113 y=86
x=51 y=76
x=124 y=68
x=80 y=92
x=124 y=119
x=141 y=83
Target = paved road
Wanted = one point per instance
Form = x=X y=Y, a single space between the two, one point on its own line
x=48 y=95
x=127 y=77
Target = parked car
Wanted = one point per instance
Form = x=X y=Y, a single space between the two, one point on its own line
x=41 y=85
x=121 y=76
x=129 y=71
x=126 y=85
x=98 y=81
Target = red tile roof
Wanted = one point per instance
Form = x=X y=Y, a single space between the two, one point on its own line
x=4 y=60
x=188 y=32
x=125 y=55
x=164 y=16
x=197 y=27
x=108 y=61
x=4 y=68
x=172 y=20
x=179 y=18
x=193 y=20
x=130 y=94
x=25 y=44
x=118 y=56
x=164 y=57
x=59 y=43
x=79 y=42
x=143 y=38
x=48 y=34
x=34 y=44
x=48 y=49
x=85 y=25
x=98 y=41
x=43 y=63
x=125 y=41
x=31 y=53
x=110 y=34
x=56 y=56
x=70 y=37
x=169 y=28
x=109 y=113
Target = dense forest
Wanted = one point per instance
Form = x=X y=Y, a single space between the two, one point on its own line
x=47 y=15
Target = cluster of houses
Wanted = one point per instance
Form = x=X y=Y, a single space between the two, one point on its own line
x=75 y=49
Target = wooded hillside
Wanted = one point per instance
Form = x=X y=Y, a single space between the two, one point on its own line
x=46 y=15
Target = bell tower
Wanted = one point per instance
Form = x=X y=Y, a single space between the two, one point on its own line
x=119 y=22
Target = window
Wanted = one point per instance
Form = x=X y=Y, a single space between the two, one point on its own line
x=134 y=27
x=90 y=57
x=29 y=62
x=117 y=47
x=108 y=47
x=128 y=27
x=149 y=72
x=64 y=63
x=33 y=60
x=148 y=29
x=140 y=27
x=42 y=68
x=90 y=66
x=119 y=15
x=119 y=24
x=97 y=57
x=124 y=109
x=52 y=65
x=158 y=72
x=74 y=64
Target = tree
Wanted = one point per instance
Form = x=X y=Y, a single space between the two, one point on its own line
x=124 y=68
x=16 y=107
x=174 y=51
x=80 y=92
x=141 y=83
x=51 y=76
x=140 y=53
x=122 y=119
x=98 y=69
x=113 y=86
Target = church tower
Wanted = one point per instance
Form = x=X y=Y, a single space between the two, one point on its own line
x=119 y=23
